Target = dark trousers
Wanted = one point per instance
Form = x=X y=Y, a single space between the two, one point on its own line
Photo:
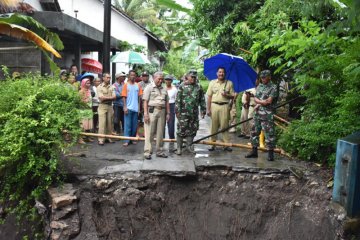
x=118 y=117
x=95 y=118
x=171 y=122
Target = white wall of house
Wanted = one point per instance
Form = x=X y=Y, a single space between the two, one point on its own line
x=91 y=12
x=35 y=4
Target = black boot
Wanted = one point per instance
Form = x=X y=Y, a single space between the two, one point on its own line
x=253 y=153
x=271 y=155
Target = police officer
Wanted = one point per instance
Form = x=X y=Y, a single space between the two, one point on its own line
x=106 y=94
x=265 y=97
x=156 y=112
x=220 y=92
x=189 y=97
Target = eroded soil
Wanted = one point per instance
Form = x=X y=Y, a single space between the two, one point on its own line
x=215 y=204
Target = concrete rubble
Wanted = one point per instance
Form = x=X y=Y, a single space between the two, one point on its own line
x=65 y=221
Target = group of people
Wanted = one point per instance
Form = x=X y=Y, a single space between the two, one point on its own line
x=123 y=105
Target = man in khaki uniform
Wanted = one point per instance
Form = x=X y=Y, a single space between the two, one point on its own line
x=106 y=94
x=233 y=114
x=219 y=93
x=156 y=112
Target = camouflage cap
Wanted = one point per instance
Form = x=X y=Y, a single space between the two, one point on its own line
x=168 y=77
x=265 y=73
x=192 y=72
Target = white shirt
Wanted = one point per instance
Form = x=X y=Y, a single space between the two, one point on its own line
x=95 y=99
x=172 y=94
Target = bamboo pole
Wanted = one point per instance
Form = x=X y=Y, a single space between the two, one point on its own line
x=244 y=50
x=238 y=145
x=236 y=124
x=280 y=126
x=281 y=119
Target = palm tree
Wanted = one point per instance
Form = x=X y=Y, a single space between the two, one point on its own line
x=143 y=12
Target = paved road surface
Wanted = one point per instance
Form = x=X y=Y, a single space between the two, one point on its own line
x=92 y=159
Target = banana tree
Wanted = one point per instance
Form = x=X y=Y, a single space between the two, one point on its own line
x=26 y=28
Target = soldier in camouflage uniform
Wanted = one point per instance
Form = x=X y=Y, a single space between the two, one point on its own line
x=189 y=97
x=265 y=98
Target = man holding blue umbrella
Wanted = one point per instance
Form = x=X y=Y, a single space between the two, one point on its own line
x=220 y=92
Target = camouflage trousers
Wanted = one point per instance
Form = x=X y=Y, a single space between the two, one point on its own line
x=187 y=126
x=269 y=130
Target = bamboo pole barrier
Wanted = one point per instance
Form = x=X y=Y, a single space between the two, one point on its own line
x=236 y=124
x=238 y=145
x=244 y=50
x=281 y=119
x=280 y=126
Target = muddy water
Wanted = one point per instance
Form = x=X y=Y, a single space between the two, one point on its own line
x=214 y=204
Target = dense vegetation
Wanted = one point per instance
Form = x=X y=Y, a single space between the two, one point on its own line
x=34 y=113
x=312 y=45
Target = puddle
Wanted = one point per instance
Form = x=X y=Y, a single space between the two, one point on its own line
x=202 y=155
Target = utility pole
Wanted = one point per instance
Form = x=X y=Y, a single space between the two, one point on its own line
x=106 y=37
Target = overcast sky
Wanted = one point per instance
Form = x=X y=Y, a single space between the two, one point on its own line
x=184 y=3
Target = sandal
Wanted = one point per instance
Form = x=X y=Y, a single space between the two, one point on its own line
x=229 y=149
x=212 y=148
x=101 y=143
x=162 y=155
x=126 y=144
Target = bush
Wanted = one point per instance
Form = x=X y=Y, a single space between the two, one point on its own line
x=34 y=113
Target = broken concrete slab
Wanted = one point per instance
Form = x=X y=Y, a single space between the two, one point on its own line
x=173 y=167
x=62 y=196
x=128 y=166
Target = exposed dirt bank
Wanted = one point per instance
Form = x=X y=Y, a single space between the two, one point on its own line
x=214 y=204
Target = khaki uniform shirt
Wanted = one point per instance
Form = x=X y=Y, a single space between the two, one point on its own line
x=252 y=91
x=252 y=98
x=216 y=88
x=156 y=96
x=106 y=91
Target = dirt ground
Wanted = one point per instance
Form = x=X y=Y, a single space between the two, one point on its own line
x=214 y=204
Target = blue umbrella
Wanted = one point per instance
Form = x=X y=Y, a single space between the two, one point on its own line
x=237 y=70
x=88 y=75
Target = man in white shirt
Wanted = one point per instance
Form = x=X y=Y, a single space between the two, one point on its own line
x=172 y=91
